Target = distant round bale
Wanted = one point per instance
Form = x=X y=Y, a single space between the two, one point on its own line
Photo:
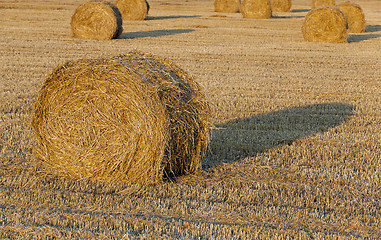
x=256 y=9
x=355 y=16
x=227 y=6
x=318 y=3
x=186 y=106
x=280 y=5
x=133 y=9
x=132 y=118
x=325 y=24
x=96 y=20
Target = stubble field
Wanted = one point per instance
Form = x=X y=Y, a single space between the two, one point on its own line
x=295 y=151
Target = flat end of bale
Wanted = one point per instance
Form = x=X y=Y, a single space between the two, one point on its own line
x=132 y=118
x=280 y=5
x=355 y=16
x=325 y=24
x=96 y=20
x=227 y=6
x=133 y=10
x=259 y=9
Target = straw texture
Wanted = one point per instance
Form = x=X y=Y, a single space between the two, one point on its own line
x=280 y=5
x=318 y=3
x=133 y=9
x=355 y=16
x=325 y=24
x=185 y=104
x=256 y=9
x=96 y=20
x=96 y=119
x=227 y=6
x=133 y=118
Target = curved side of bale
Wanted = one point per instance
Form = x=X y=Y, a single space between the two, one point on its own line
x=186 y=106
x=318 y=3
x=280 y=5
x=355 y=16
x=325 y=24
x=133 y=9
x=227 y=6
x=256 y=9
x=97 y=120
x=96 y=20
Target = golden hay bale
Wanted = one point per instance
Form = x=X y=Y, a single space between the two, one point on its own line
x=227 y=6
x=355 y=16
x=280 y=5
x=133 y=9
x=186 y=106
x=134 y=118
x=96 y=20
x=256 y=9
x=98 y=120
x=318 y=3
x=325 y=24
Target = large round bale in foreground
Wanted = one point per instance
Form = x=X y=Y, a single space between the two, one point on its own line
x=97 y=120
x=318 y=3
x=325 y=24
x=185 y=104
x=280 y=5
x=355 y=16
x=96 y=20
x=133 y=9
x=256 y=9
x=227 y=6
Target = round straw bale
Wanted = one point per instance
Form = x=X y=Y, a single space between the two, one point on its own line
x=227 y=6
x=98 y=120
x=256 y=9
x=96 y=20
x=133 y=9
x=325 y=24
x=355 y=16
x=280 y=5
x=318 y=3
x=186 y=106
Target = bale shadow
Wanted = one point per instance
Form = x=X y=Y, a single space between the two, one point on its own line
x=300 y=10
x=362 y=37
x=286 y=17
x=373 y=28
x=250 y=136
x=154 y=33
x=170 y=17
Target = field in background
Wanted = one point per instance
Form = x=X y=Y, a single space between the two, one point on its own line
x=296 y=148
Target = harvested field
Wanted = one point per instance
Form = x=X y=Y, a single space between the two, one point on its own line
x=295 y=150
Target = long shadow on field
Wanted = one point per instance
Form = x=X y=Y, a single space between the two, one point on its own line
x=155 y=33
x=362 y=37
x=300 y=10
x=247 y=137
x=170 y=17
x=373 y=28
